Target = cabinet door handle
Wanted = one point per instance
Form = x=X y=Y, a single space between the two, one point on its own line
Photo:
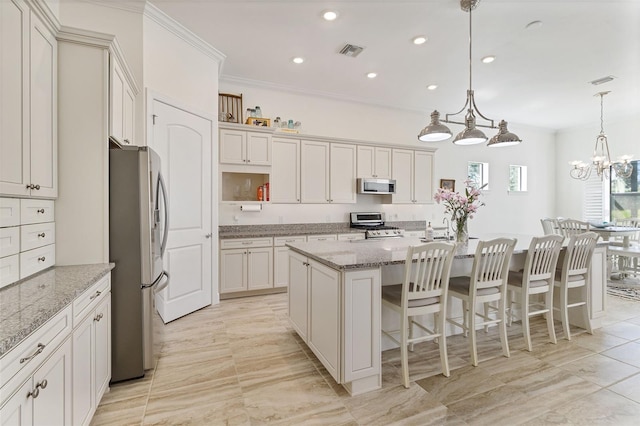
x=37 y=352
x=43 y=384
x=40 y=211
x=247 y=243
x=248 y=161
x=34 y=393
x=97 y=293
x=42 y=235
x=98 y=317
x=127 y=141
x=32 y=186
x=42 y=259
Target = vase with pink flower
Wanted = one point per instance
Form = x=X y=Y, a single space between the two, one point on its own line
x=461 y=207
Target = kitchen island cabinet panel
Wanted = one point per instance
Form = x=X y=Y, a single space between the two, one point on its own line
x=298 y=293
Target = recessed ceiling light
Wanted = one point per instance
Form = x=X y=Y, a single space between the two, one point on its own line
x=298 y=60
x=372 y=75
x=533 y=25
x=432 y=86
x=488 y=59
x=329 y=15
x=419 y=40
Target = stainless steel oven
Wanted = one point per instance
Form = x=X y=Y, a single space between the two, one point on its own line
x=373 y=225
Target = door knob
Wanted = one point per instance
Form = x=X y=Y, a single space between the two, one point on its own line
x=208 y=235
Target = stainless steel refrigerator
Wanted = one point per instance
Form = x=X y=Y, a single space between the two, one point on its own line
x=138 y=226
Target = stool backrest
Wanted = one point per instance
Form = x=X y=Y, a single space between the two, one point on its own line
x=542 y=257
x=569 y=227
x=430 y=276
x=549 y=226
x=491 y=263
x=580 y=249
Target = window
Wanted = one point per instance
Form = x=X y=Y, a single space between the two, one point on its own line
x=625 y=194
x=478 y=174
x=517 y=178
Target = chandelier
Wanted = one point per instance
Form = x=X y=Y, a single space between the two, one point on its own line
x=601 y=160
x=436 y=131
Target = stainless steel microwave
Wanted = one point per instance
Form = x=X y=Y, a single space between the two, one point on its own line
x=376 y=186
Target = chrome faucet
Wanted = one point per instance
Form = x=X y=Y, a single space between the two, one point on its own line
x=445 y=220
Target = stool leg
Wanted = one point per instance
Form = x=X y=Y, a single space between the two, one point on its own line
x=549 y=304
x=585 y=313
x=524 y=301
x=465 y=317
x=411 y=333
x=564 y=311
x=503 y=326
x=472 y=334
x=440 y=320
x=403 y=352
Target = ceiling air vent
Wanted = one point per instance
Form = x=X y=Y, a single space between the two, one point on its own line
x=602 y=80
x=351 y=50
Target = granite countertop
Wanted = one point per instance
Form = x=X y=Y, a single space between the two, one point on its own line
x=27 y=304
x=282 y=230
x=362 y=254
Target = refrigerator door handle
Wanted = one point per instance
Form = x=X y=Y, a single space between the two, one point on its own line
x=157 y=280
x=165 y=234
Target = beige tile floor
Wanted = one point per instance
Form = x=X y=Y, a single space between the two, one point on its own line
x=240 y=363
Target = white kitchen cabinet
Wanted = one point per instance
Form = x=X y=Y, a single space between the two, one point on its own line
x=314 y=172
x=250 y=148
x=324 y=316
x=85 y=119
x=285 y=171
x=374 y=162
x=246 y=264
x=44 y=398
x=28 y=127
x=413 y=172
x=91 y=350
x=327 y=172
x=281 y=259
x=342 y=182
x=122 y=97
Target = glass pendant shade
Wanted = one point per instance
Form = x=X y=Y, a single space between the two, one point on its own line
x=504 y=137
x=435 y=131
x=471 y=135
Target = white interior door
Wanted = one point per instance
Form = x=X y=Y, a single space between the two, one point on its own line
x=183 y=140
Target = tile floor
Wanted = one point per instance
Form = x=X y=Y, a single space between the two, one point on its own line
x=240 y=363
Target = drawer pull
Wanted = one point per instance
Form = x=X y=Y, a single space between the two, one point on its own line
x=98 y=317
x=34 y=393
x=42 y=235
x=42 y=259
x=98 y=293
x=37 y=352
x=40 y=211
x=247 y=243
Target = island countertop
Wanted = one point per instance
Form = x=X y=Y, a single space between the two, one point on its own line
x=372 y=253
x=27 y=304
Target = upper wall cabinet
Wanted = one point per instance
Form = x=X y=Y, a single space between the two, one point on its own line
x=245 y=147
x=285 y=172
x=122 y=101
x=28 y=123
x=374 y=162
x=413 y=172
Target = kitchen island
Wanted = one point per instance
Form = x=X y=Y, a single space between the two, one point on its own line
x=335 y=298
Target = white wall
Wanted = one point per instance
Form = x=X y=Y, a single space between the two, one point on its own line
x=577 y=144
x=323 y=116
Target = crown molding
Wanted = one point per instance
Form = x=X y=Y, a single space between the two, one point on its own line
x=46 y=15
x=86 y=37
x=182 y=32
x=134 y=6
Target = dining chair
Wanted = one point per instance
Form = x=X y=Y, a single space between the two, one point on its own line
x=537 y=277
x=569 y=227
x=423 y=291
x=549 y=226
x=575 y=273
x=487 y=283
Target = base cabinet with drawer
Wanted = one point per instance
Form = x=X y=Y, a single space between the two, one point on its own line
x=246 y=264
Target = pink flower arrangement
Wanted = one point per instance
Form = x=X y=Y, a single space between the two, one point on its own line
x=460 y=207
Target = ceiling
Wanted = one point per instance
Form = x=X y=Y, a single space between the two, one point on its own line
x=540 y=76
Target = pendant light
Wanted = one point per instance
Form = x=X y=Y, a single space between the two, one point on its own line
x=601 y=160
x=471 y=135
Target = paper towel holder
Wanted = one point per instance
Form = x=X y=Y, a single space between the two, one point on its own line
x=251 y=207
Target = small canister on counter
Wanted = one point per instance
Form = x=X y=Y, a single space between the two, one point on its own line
x=260 y=193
